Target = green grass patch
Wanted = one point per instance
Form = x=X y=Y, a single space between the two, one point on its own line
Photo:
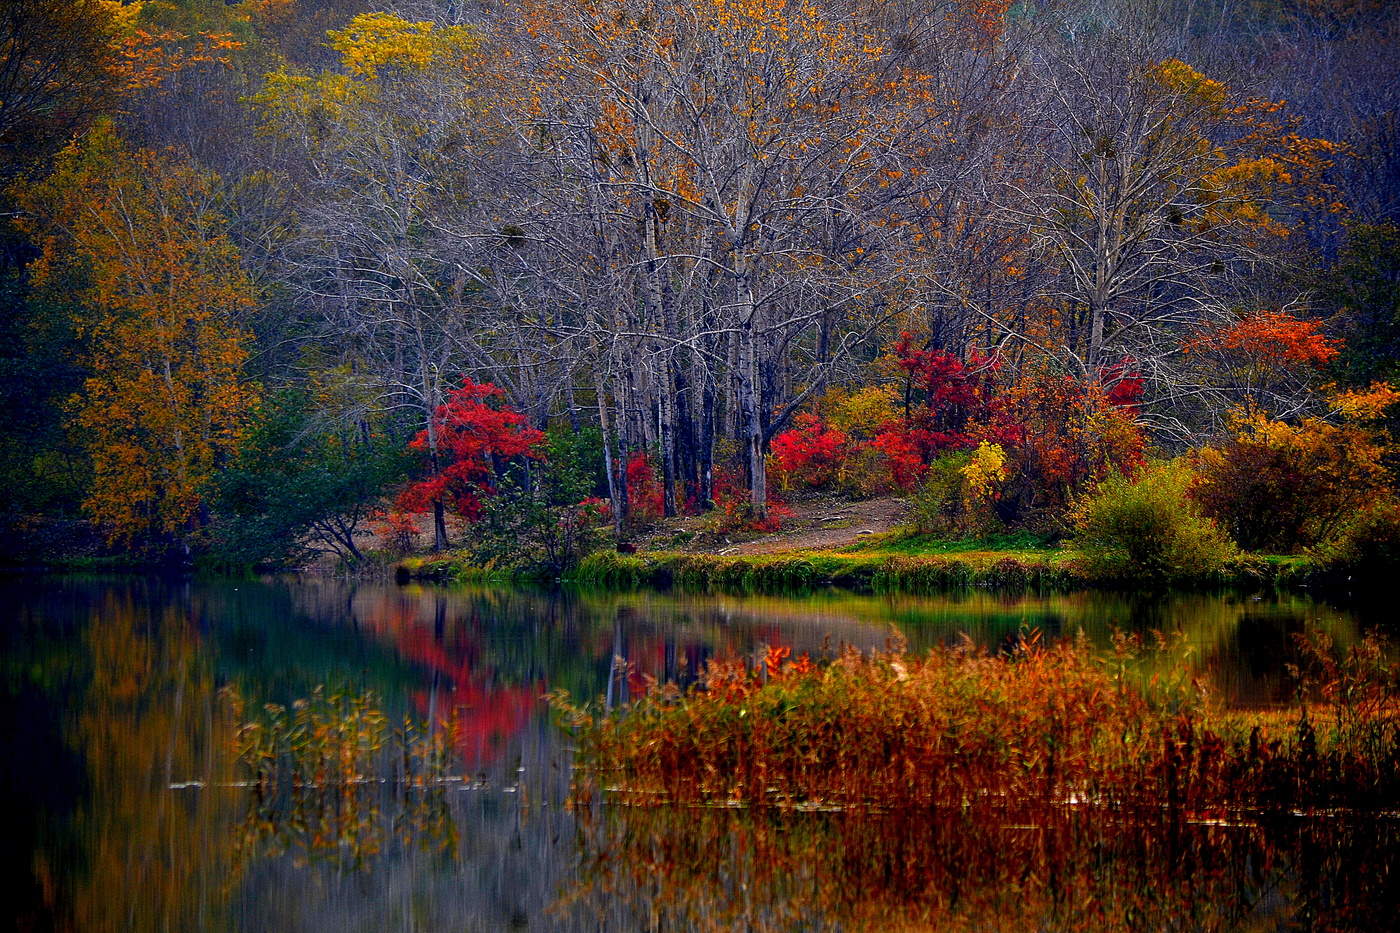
x=1011 y=544
x=458 y=567
x=805 y=571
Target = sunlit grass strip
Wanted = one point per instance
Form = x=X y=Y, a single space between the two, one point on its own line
x=802 y=571
x=1049 y=725
x=456 y=567
x=798 y=571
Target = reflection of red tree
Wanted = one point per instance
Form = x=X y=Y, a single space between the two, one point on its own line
x=488 y=714
x=646 y=654
x=488 y=717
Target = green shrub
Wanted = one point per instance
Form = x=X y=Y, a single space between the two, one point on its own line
x=542 y=519
x=944 y=505
x=1366 y=548
x=1148 y=527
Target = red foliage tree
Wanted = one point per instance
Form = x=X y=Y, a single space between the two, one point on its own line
x=645 y=496
x=1123 y=384
x=945 y=393
x=811 y=453
x=471 y=437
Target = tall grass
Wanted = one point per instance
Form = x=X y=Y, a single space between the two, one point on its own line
x=334 y=777
x=1049 y=725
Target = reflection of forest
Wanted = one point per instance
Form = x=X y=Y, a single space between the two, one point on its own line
x=139 y=712
x=495 y=638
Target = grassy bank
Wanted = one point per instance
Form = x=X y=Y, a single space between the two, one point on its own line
x=1052 y=726
x=859 y=572
x=879 y=572
x=456 y=567
x=777 y=573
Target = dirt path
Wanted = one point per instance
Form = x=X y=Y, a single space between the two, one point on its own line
x=826 y=525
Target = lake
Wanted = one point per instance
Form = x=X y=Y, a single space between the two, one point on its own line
x=126 y=810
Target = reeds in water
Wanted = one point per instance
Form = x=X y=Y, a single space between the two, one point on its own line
x=1047 y=725
x=334 y=776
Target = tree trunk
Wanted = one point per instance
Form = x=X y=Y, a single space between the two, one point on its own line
x=753 y=427
x=666 y=416
x=616 y=495
x=707 y=447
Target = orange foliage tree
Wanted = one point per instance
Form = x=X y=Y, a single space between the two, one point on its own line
x=1267 y=354
x=135 y=239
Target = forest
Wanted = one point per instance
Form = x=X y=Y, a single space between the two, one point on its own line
x=289 y=280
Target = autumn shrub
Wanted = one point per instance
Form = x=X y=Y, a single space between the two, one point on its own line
x=734 y=512
x=1061 y=434
x=959 y=491
x=1366 y=549
x=645 y=495
x=394 y=529
x=902 y=456
x=1279 y=487
x=1148 y=527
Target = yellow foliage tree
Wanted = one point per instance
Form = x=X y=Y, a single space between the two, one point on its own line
x=135 y=239
x=985 y=471
x=863 y=412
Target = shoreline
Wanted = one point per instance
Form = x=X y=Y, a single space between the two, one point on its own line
x=796 y=571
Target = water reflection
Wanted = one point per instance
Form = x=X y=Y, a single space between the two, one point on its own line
x=715 y=869
x=334 y=778
x=127 y=809
x=125 y=689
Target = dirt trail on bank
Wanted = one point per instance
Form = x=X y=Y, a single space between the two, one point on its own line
x=826 y=525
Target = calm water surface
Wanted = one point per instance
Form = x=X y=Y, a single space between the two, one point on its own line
x=124 y=809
